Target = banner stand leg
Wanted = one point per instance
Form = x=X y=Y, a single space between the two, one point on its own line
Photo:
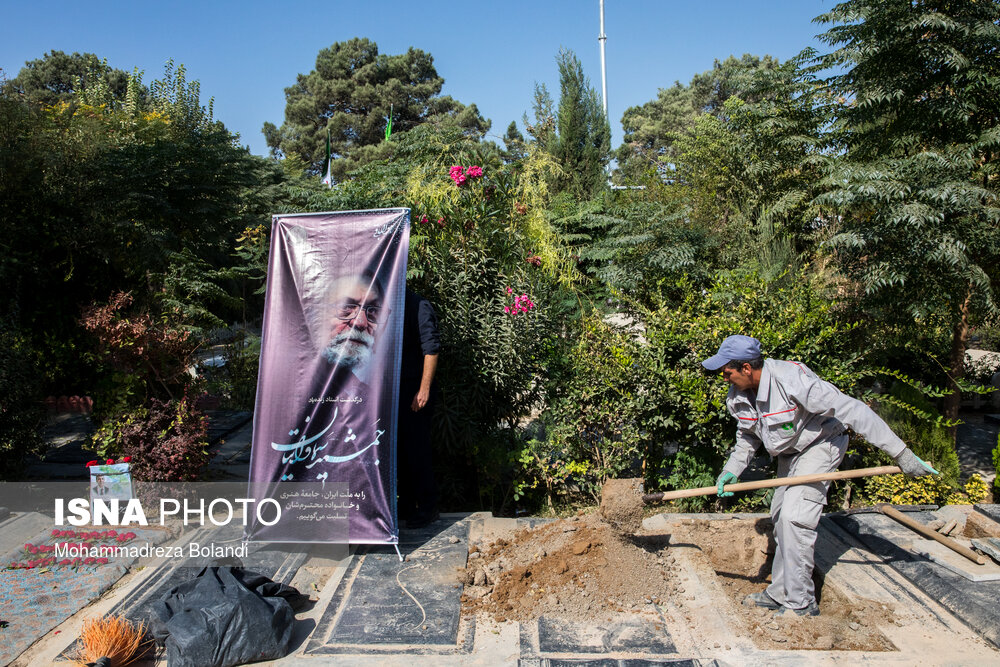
x=397 y=553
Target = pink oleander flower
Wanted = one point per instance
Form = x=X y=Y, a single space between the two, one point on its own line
x=423 y=220
x=456 y=174
x=475 y=171
x=510 y=290
x=506 y=309
x=441 y=222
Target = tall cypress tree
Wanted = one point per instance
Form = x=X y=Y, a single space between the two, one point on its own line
x=584 y=135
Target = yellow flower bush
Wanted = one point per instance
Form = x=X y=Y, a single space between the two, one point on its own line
x=927 y=490
x=976 y=489
x=902 y=490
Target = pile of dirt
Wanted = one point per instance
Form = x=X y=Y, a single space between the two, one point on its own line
x=740 y=551
x=578 y=568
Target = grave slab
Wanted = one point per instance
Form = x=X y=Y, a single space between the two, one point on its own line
x=625 y=634
x=614 y=662
x=957 y=563
x=989 y=546
x=974 y=603
x=34 y=601
x=384 y=606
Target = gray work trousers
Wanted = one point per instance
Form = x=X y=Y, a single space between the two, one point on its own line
x=795 y=512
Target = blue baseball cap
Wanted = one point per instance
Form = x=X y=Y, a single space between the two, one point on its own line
x=734 y=348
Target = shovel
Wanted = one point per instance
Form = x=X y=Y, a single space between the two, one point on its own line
x=771 y=483
x=622 y=508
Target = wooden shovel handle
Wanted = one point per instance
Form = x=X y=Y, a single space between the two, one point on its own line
x=927 y=532
x=771 y=483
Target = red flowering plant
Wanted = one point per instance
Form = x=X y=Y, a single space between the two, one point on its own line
x=462 y=265
x=522 y=304
x=145 y=411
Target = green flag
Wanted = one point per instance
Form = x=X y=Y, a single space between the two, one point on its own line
x=388 y=126
x=328 y=165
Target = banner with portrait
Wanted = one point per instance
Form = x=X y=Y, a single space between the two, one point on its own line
x=324 y=431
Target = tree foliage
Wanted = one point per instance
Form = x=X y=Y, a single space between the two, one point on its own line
x=58 y=77
x=583 y=142
x=916 y=182
x=651 y=129
x=634 y=400
x=351 y=92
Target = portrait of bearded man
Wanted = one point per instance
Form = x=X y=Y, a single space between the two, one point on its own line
x=354 y=313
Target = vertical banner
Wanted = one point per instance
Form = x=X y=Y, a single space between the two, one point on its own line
x=324 y=432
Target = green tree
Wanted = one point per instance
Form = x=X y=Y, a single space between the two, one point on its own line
x=740 y=191
x=57 y=77
x=115 y=195
x=651 y=129
x=513 y=142
x=351 y=93
x=583 y=142
x=919 y=127
x=543 y=129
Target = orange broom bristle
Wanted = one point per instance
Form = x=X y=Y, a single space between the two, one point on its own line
x=113 y=637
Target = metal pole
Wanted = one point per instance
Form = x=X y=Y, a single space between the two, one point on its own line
x=602 y=38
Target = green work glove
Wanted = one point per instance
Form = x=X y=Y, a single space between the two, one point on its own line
x=911 y=464
x=725 y=478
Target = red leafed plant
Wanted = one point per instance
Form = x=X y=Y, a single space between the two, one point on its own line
x=137 y=344
x=166 y=442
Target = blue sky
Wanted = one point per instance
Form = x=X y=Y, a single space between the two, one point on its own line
x=490 y=53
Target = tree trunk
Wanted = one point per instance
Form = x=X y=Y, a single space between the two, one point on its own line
x=956 y=370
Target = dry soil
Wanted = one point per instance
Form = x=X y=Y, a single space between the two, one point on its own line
x=578 y=568
x=581 y=568
x=740 y=551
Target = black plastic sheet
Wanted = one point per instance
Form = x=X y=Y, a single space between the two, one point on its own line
x=225 y=616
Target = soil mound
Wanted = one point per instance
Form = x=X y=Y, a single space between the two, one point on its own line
x=577 y=568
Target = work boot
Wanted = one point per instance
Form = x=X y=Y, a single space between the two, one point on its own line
x=812 y=609
x=761 y=599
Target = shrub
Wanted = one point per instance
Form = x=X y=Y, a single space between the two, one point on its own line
x=976 y=489
x=903 y=490
x=235 y=381
x=926 y=490
x=478 y=241
x=143 y=357
x=635 y=400
x=166 y=441
x=931 y=443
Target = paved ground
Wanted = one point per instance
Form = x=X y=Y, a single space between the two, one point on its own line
x=371 y=609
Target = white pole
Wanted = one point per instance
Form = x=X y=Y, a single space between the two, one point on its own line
x=602 y=38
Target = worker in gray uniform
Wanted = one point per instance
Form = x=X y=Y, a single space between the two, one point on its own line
x=802 y=421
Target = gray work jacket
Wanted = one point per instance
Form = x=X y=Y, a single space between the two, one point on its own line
x=795 y=408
